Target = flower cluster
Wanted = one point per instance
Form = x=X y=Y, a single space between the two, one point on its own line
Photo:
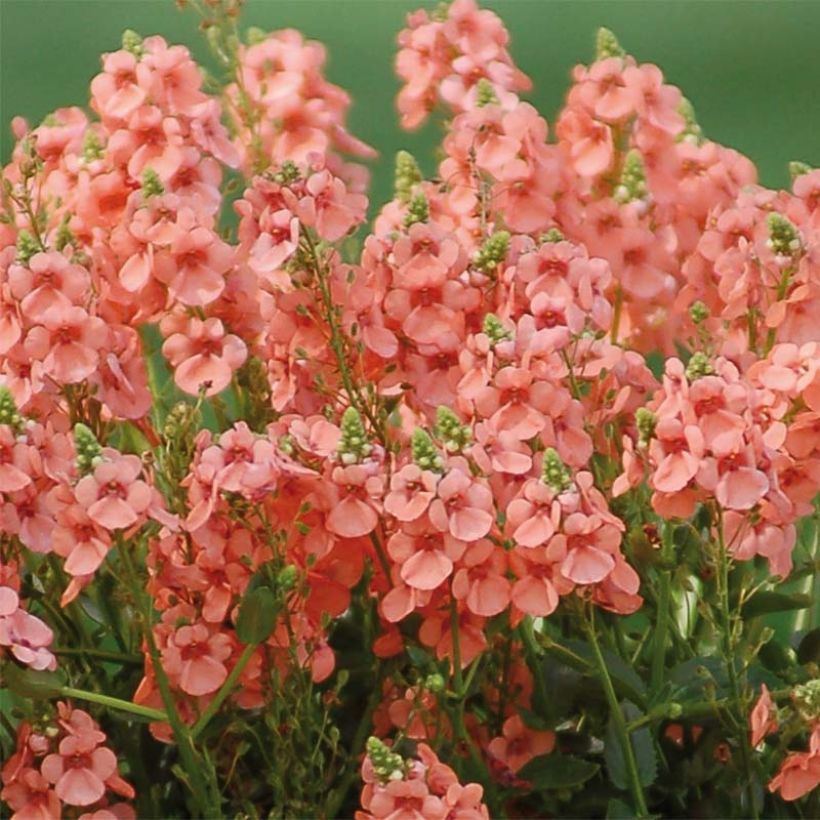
x=421 y=787
x=64 y=760
x=453 y=468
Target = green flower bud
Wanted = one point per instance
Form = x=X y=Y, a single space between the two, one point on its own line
x=88 y=449
x=441 y=11
x=418 y=210
x=92 y=146
x=632 y=184
x=407 y=176
x=698 y=312
x=554 y=473
x=151 y=183
x=435 y=682
x=492 y=253
x=8 y=409
x=496 y=332
x=132 y=42
x=552 y=235
x=288 y=173
x=450 y=431
x=784 y=238
x=387 y=765
x=485 y=93
x=699 y=366
x=645 y=421
x=607 y=45
x=797 y=169
x=424 y=451
x=287 y=578
x=27 y=246
x=255 y=35
x=354 y=446
x=692 y=132
x=806 y=698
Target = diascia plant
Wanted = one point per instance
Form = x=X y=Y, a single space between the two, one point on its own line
x=502 y=506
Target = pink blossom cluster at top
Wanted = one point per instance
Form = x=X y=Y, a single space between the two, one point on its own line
x=64 y=762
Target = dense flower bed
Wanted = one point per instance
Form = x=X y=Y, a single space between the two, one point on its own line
x=484 y=510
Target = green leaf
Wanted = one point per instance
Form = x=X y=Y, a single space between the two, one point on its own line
x=618 y=810
x=257 y=616
x=766 y=602
x=627 y=682
x=31 y=683
x=557 y=771
x=643 y=747
x=808 y=650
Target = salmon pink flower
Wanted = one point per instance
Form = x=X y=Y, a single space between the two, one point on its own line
x=763 y=718
x=463 y=506
x=353 y=514
x=113 y=496
x=204 y=355
x=800 y=772
x=80 y=769
x=195 y=658
x=68 y=343
x=519 y=744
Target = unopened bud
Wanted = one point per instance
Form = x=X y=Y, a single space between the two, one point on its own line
x=797 y=169
x=699 y=366
x=607 y=45
x=450 y=431
x=424 y=451
x=494 y=330
x=698 y=312
x=418 y=210
x=132 y=42
x=485 y=93
x=407 y=176
x=151 y=183
x=354 y=446
x=87 y=448
x=554 y=473
x=8 y=409
x=784 y=238
x=492 y=253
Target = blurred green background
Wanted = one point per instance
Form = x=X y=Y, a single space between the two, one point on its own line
x=750 y=68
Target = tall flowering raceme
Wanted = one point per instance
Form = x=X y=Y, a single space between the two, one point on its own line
x=504 y=506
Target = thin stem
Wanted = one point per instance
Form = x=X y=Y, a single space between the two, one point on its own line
x=618 y=720
x=662 y=625
x=224 y=690
x=729 y=646
x=114 y=703
x=531 y=650
x=103 y=655
x=458 y=683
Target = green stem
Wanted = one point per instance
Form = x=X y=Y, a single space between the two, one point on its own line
x=103 y=655
x=531 y=650
x=621 y=729
x=114 y=703
x=458 y=683
x=662 y=624
x=729 y=646
x=380 y=554
x=224 y=691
